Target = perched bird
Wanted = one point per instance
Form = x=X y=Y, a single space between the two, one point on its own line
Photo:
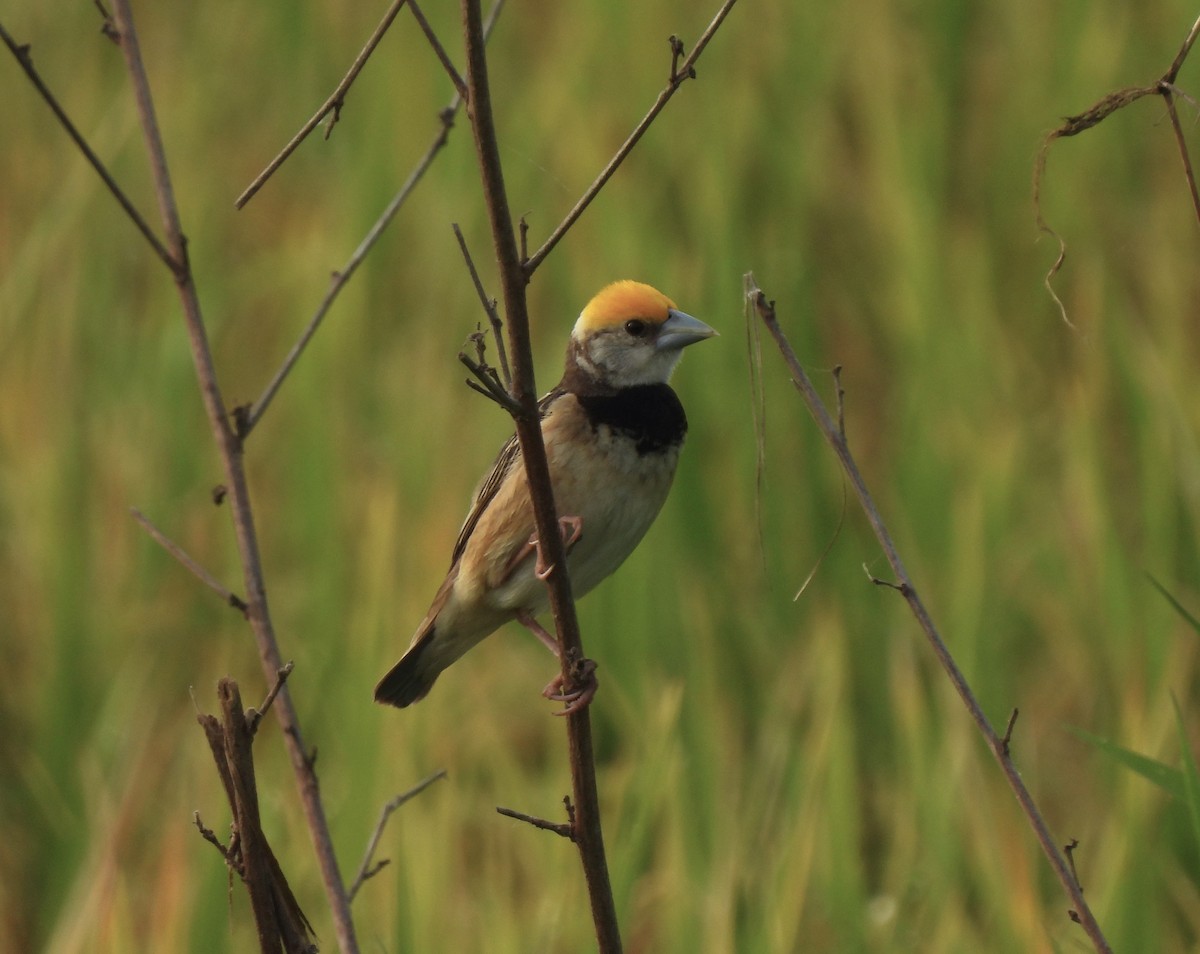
x=613 y=429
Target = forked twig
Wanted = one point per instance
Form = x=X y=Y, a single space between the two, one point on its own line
x=489 y=306
x=999 y=746
x=1093 y=116
x=487 y=382
x=248 y=417
x=332 y=104
x=254 y=717
x=25 y=58
x=679 y=73
x=230 y=449
x=367 y=869
x=513 y=279
x=515 y=271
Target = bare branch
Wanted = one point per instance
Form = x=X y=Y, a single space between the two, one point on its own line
x=187 y=562
x=1069 y=851
x=440 y=50
x=679 y=73
x=513 y=278
x=1096 y=114
x=255 y=716
x=252 y=415
x=1006 y=742
x=489 y=306
x=249 y=417
x=208 y=835
x=766 y=311
x=1173 y=72
x=333 y=104
x=565 y=829
x=230 y=448
x=489 y=384
x=277 y=913
x=25 y=58
x=368 y=870
x=1168 y=94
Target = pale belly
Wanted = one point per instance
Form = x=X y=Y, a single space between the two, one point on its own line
x=617 y=506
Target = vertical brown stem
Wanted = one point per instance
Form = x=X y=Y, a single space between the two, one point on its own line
x=230 y=447
x=587 y=830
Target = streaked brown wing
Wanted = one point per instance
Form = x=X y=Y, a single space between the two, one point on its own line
x=509 y=454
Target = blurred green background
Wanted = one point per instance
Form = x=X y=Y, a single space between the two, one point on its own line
x=776 y=775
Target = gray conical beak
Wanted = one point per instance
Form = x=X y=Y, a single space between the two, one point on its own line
x=680 y=330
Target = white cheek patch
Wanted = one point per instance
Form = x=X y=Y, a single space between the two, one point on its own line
x=619 y=365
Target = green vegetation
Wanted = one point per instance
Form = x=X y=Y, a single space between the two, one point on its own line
x=777 y=775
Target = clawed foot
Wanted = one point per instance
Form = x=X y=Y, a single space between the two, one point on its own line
x=571 y=529
x=581 y=696
x=583 y=673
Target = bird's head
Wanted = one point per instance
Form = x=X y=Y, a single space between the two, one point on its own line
x=632 y=334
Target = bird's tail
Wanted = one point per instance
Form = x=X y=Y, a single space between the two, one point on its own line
x=411 y=678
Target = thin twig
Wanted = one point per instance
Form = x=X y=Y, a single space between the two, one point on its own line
x=679 y=73
x=489 y=384
x=334 y=103
x=1168 y=94
x=230 y=448
x=367 y=869
x=249 y=417
x=489 y=306
x=25 y=58
x=841 y=400
x=1097 y=113
x=513 y=278
x=440 y=50
x=758 y=415
x=187 y=562
x=1177 y=64
x=565 y=829
x=208 y=835
x=277 y=913
x=255 y=716
x=1069 y=851
x=1006 y=742
x=829 y=429
x=252 y=415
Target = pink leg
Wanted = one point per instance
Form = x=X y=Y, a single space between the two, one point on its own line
x=525 y=618
x=571 y=529
x=576 y=699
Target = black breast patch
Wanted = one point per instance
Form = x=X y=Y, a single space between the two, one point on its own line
x=650 y=414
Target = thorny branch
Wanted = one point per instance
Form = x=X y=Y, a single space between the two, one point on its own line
x=999 y=745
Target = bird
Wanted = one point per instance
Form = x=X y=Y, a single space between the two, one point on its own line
x=613 y=428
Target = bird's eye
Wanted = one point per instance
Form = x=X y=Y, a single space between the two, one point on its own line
x=636 y=327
